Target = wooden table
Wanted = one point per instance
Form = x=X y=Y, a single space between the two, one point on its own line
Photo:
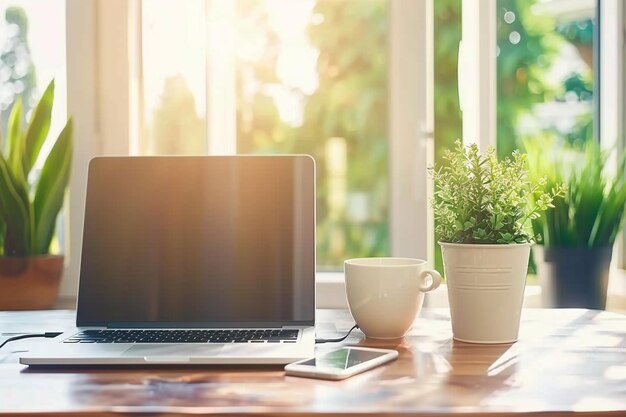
x=566 y=361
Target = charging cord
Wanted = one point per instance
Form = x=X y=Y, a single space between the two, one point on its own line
x=340 y=339
x=48 y=335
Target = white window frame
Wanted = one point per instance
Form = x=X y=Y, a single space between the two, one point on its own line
x=612 y=94
x=411 y=127
x=612 y=110
x=105 y=93
x=477 y=72
x=622 y=113
x=81 y=106
x=103 y=98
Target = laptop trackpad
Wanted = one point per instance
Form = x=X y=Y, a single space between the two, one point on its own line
x=174 y=350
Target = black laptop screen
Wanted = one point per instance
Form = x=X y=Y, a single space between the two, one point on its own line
x=198 y=241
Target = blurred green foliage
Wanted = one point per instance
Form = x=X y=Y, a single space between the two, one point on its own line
x=447 y=29
x=591 y=214
x=350 y=103
x=527 y=45
x=177 y=129
x=16 y=66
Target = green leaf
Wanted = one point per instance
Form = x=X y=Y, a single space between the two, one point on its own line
x=38 y=128
x=15 y=141
x=14 y=212
x=478 y=197
x=588 y=213
x=3 y=228
x=51 y=188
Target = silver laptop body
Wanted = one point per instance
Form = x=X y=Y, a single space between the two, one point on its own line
x=194 y=260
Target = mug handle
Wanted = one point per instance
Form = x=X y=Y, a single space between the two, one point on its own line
x=435 y=280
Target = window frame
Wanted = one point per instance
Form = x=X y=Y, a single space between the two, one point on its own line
x=477 y=72
x=622 y=54
x=612 y=94
x=476 y=85
x=102 y=98
x=411 y=127
x=105 y=99
x=81 y=106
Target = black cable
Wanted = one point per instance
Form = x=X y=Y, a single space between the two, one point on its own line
x=340 y=339
x=28 y=336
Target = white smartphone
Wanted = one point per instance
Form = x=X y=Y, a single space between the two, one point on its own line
x=341 y=363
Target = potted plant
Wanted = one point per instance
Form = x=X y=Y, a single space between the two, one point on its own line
x=483 y=210
x=29 y=205
x=579 y=231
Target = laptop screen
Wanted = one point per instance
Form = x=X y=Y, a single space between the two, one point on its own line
x=196 y=241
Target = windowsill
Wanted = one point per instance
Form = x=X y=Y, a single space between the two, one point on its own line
x=330 y=290
x=331 y=293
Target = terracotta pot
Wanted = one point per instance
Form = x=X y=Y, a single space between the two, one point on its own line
x=30 y=283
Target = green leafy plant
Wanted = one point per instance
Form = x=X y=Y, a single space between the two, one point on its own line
x=479 y=199
x=28 y=213
x=591 y=213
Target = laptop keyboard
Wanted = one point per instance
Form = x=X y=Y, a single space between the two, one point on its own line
x=185 y=336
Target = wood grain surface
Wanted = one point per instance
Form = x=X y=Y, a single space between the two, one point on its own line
x=566 y=361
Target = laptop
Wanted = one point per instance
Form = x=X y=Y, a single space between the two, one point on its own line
x=194 y=260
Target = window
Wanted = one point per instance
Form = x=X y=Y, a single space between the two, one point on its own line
x=611 y=86
x=545 y=62
x=228 y=71
x=545 y=74
x=307 y=77
x=547 y=70
x=448 y=117
x=173 y=77
x=312 y=78
x=32 y=53
x=121 y=84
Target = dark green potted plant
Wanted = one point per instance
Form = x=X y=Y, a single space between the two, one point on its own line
x=579 y=231
x=29 y=205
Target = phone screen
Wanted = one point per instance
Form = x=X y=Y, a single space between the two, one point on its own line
x=342 y=358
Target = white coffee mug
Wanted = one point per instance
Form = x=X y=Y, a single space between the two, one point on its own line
x=385 y=295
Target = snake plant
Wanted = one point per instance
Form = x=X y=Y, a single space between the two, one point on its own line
x=30 y=204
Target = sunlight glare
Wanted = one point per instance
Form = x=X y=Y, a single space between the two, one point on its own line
x=616 y=373
x=297 y=59
x=174 y=34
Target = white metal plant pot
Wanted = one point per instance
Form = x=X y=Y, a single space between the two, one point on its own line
x=486 y=290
